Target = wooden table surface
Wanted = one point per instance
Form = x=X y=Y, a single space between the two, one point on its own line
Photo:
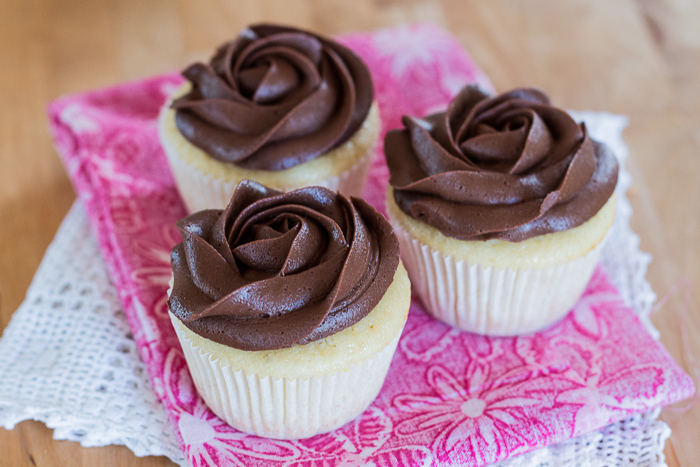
x=635 y=57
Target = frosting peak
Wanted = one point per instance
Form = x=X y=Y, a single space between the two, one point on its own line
x=274 y=270
x=508 y=167
x=274 y=98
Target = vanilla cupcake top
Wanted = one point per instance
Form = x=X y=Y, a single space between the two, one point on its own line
x=274 y=270
x=508 y=167
x=274 y=98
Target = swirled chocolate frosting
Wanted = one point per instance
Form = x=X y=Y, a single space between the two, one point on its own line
x=508 y=167
x=274 y=270
x=274 y=98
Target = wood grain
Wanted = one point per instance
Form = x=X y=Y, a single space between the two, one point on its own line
x=640 y=58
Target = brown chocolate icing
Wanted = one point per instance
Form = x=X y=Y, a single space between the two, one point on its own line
x=508 y=167
x=274 y=98
x=275 y=270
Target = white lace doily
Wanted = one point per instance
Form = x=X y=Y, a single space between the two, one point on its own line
x=67 y=357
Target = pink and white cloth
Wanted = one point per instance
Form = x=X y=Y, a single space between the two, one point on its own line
x=450 y=398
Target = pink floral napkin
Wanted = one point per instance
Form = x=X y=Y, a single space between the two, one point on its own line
x=450 y=398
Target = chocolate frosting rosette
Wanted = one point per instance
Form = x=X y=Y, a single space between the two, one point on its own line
x=509 y=167
x=507 y=186
x=287 y=285
x=275 y=270
x=274 y=99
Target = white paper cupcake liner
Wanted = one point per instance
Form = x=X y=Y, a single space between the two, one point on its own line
x=200 y=190
x=285 y=408
x=489 y=300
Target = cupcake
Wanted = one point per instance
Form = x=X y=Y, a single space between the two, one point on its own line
x=289 y=308
x=281 y=106
x=501 y=206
